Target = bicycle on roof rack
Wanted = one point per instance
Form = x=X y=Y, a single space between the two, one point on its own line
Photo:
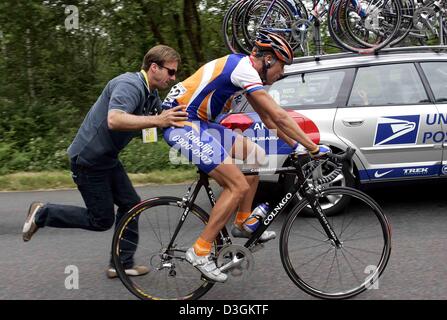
x=361 y=26
x=328 y=257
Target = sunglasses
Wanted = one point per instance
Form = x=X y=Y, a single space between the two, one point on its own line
x=171 y=72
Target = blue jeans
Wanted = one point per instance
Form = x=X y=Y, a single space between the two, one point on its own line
x=100 y=189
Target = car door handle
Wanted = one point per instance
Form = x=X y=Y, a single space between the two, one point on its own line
x=353 y=122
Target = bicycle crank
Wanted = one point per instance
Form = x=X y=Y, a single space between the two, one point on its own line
x=237 y=261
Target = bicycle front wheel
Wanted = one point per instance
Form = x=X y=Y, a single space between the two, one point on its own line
x=319 y=267
x=143 y=236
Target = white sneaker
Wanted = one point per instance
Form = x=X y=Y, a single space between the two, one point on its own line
x=30 y=227
x=265 y=236
x=206 y=266
x=134 y=271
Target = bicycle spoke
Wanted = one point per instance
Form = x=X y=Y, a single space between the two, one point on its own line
x=321 y=261
x=362 y=238
x=310 y=224
x=330 y=270
x=155 y=233
x=310 y=247
x=312 y=238
x=313 y=259
x=350 y=267
x=339 y=271
x=364 y=250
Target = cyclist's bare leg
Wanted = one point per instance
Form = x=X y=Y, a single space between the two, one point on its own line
x=254 y=155
x=235 y=186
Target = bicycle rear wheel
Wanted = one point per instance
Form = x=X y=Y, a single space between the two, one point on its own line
x=148 y=229
x=324 y=270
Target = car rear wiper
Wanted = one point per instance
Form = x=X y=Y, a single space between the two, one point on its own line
x=441 y=100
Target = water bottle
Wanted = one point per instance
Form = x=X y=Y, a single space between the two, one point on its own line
x=256 y=217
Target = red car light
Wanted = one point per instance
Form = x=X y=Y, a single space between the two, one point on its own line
x=237 y=121
x=307 y=125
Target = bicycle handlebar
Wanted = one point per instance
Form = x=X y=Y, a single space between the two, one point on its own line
x=345 y=156
x=345 y=159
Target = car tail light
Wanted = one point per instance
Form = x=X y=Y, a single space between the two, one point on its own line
x=306 y=124
x=237 y=121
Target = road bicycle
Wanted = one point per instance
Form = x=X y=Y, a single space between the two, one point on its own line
x=362 y=26
x=328 y=257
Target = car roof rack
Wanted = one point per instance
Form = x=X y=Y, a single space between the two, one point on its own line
x=380 y=52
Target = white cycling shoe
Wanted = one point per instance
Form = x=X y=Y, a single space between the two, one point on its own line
x=206 y=266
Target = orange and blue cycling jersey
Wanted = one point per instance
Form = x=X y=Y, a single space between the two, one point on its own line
x=206 y=94
x=209 y=91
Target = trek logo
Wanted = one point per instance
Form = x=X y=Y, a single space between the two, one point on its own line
x=278 y=208
x=416 y=171
x=397 y=130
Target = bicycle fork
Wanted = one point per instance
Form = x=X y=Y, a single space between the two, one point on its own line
x=312 y=196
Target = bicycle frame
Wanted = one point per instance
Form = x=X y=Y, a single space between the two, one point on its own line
x=306 y=190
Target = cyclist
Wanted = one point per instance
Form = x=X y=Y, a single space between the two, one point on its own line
x=210 y=146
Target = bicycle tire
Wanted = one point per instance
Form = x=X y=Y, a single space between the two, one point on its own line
x=380 y=43
x=338 y=34
x=312 y=283
x=226 y=28
x=191 y=229
x=341 y=31
x=238 y=28
x=445 y=28
x=407 y=9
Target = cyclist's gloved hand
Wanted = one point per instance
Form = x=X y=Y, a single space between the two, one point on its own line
x=299 y=149
x=322 y=150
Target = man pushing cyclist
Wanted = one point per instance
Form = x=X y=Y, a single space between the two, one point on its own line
x=208 y=93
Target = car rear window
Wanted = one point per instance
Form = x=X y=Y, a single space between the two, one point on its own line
x=392 y=84
x=436 y=73
x=310 y=89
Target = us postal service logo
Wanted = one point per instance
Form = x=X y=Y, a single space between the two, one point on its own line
x=397 y=130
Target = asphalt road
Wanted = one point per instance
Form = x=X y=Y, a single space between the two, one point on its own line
x=39 y=269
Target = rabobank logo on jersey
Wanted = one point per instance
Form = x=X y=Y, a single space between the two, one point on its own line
x=397 y=130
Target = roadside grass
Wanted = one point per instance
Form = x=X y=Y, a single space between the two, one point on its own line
x=49 y=180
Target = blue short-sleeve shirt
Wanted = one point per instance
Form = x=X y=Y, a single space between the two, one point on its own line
x=95 y=145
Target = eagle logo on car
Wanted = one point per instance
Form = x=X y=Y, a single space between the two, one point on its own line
x=397 y=130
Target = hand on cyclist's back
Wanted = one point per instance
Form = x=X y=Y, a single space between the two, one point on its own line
x=173 y=117
x=322 y=151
